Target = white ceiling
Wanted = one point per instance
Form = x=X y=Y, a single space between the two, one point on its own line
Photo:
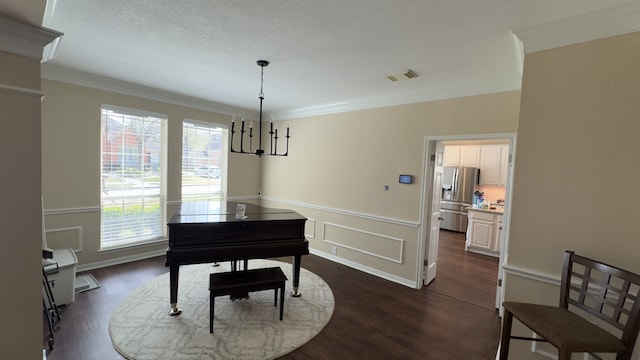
x=324 y=54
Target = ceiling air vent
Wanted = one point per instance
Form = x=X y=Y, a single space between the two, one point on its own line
x=405 y=75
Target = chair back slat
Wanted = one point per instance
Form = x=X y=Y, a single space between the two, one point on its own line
x=604 y=291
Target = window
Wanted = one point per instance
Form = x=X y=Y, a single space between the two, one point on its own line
x=204 y=157
x=133 y=191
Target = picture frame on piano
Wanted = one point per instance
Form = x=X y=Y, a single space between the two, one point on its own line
x=240 y=210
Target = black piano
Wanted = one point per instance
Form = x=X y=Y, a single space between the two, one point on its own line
x=205 y=232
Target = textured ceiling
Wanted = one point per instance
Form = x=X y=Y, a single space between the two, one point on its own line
x=322 y=53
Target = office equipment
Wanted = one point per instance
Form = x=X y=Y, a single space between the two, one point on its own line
x=202 y=232
x=62 y=274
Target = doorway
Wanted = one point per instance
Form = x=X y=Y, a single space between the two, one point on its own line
x=430 y=237
x=464 y=275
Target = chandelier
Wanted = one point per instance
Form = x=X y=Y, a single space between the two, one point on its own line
x=273 y=130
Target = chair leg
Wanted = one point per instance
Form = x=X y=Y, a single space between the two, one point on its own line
x=507 y=320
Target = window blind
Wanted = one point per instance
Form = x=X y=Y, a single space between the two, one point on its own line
x=203 y=161
x=133 y=176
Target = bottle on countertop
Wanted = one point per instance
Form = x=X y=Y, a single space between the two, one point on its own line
x=478 y=199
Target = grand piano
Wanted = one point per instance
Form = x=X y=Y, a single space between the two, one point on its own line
x=210 y=231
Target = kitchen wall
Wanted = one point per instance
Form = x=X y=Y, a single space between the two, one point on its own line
x=493 y=193
x=575 y=181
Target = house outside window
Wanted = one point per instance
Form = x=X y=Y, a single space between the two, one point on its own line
x=204 y=165
x=133 y=177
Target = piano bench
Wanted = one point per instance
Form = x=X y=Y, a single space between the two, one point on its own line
x=245 y=281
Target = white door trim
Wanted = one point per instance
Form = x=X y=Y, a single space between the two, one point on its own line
x=427 y=190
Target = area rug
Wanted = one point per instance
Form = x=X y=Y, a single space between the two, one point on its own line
x=141 y=329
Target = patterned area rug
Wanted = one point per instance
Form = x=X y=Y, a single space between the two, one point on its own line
x=141 y=328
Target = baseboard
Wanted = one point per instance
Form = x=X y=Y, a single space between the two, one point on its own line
x=381 y=274
x=120 y=260
x=339 y=260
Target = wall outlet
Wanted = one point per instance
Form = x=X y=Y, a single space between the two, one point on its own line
x=334 y=250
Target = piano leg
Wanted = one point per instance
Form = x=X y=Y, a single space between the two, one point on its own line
x=173 y=286
x=297 y=259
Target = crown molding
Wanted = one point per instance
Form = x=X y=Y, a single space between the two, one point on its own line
x=76 y=77
x=445 y=91
x=25 y=40
x=617 y=20
x=452 y=90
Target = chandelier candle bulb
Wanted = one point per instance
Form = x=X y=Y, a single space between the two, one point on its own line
x=275 y=146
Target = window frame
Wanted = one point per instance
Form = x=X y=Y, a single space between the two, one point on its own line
x=158 y=228
x=223 y=159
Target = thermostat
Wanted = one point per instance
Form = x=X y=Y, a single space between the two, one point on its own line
x=405 y=179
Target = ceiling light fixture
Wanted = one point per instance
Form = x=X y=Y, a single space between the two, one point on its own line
x=273 y=130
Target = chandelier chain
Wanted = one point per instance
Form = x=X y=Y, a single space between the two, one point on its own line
x=261 y=95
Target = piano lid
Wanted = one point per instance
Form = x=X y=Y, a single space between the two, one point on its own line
x=225 y=211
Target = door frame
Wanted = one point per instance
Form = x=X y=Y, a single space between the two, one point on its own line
x=427 y=191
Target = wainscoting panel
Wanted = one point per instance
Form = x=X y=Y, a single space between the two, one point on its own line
x=65 y=238
x=373 y=244
x=529 y=285
x=310 y=228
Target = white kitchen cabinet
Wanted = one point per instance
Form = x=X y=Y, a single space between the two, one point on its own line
x=451 y=155
x=498 y=234
x=470 y=156
x=490 y=157
x=462 y=155
x=494 y=166
x=483 y=232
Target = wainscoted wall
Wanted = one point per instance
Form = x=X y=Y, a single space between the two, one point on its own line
x=71 y=159
x=71 y=235
x=79 y=229
x=381 y=246
x=377 y=245
x=336 y=170
x=541 y=288
x=577 y=136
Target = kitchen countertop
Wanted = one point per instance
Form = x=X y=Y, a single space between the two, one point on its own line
x=497 y=210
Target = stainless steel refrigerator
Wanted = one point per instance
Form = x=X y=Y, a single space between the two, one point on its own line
x=458 y=188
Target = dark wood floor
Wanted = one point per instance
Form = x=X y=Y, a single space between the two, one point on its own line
x=452 y=318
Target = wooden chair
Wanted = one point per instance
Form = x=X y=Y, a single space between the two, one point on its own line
x=603 y=291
